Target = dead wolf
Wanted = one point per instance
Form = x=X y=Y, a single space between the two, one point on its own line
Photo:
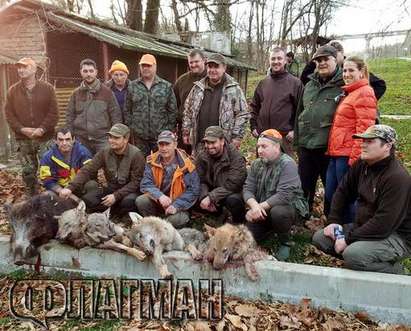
x=155 y=236
x=229 y=243
x=79 y=230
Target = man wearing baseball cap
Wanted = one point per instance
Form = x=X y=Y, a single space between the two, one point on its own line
x=170 y=183
x=123 y=166
x=273 y=193
x=222 y=172
x=381 y=187
x=151 y=106
x=314 y=118
x=119 y=83
x=32 y=114
x=217 y=100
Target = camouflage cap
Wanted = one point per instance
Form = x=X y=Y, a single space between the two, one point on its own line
x=119 y=130
x=213 y=133
x=216 y=58
x=381 y=131
x=166 y=137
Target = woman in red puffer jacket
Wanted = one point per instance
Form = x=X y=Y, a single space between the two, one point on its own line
x=355 y=113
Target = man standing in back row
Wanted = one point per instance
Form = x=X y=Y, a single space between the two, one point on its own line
x=31 y=111
x=275 y=101
x=92 y=109
x=182 y=87
x=150 y=107
x=215 y=100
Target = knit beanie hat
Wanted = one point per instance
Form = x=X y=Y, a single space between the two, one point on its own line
x=118 y=66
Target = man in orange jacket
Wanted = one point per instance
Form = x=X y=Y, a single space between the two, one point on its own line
x=170 y=184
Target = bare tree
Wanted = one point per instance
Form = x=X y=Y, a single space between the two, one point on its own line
x=177 y=21
x=152 y=12
x=134 y=14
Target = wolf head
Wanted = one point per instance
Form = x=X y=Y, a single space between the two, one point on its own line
x=228 y=242
x=143 y=234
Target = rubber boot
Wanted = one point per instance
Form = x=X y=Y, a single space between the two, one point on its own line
x=283 y=252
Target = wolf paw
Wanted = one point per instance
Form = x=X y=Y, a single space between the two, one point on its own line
x=139 y=255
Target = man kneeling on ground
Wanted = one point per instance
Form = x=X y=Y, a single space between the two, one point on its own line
x=123 y=166
x=222 y=172
x=60 y=164
x=273 y=192
x=381 y=187
x=170 y=183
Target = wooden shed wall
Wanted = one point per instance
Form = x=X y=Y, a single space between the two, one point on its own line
x=23 y=37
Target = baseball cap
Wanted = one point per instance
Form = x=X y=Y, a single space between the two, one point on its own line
x=148 y=59
x=216 y=58
x=326 y=50
x=381 y=131
x=272 y=135
x=119 y=130
x=213 y=133
x=27 y=61
x=167 y=137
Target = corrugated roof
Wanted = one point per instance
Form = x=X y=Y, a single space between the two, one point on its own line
x=131 y=40
x=4 y=59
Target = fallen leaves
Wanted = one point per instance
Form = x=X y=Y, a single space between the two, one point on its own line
x=314 y=256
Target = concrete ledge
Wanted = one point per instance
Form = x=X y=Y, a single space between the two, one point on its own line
x=385 y=297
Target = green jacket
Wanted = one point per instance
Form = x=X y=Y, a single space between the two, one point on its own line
x=123 y=173
x=92 y=111
x=316 y=110
x=149 y=112
x=276 y=183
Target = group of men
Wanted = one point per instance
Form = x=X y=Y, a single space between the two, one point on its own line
x=167 y=149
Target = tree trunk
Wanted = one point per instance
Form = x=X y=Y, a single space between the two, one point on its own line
x=177 y=22
x=152 y=11
x=222 y=21
x=134 y=15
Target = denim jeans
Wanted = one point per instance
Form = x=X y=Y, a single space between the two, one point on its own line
x=337 y=168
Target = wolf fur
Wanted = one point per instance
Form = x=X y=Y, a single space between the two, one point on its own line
x=79 y=230
x=154 y=236
x=233 y=243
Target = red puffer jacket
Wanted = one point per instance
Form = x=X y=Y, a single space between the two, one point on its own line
x=356 y=112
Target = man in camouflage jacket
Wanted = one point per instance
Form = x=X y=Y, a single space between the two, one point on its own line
x=151 y=106
x=215 y=100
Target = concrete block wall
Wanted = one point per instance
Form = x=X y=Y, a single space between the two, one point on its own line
x=385 y=297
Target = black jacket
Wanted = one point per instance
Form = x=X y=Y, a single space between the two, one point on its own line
x=383 y=195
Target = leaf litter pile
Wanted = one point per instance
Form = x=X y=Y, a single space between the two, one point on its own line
x=11 y=190
x=239 y=315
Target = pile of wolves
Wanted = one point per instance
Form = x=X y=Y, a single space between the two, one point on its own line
x=41 y=218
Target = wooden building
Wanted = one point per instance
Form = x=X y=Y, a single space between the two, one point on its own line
x=58 y=41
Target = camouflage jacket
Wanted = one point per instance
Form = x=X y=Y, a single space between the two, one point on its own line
x=276 y=183
x=148 y=112
x=233 y=110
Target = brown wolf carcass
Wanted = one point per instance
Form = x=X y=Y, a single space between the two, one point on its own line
x=79 y=230
x=155 y=236
x=233 y=243
x=33 y=224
